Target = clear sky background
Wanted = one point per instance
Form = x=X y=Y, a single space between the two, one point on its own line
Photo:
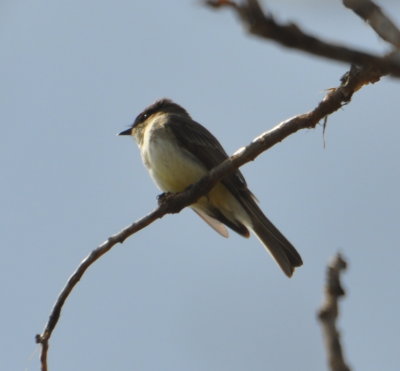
x=177 y=296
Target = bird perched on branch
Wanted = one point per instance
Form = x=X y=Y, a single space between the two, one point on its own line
x=178 y=152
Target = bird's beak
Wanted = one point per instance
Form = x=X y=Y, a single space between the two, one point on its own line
x=126 y=132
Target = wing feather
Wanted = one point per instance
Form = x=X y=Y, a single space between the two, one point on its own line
x=213 y=223
x=197 y=140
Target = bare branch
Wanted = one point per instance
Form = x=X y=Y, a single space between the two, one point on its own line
x=173 y=203
x=329 y=313
x=376 y=18
x=290 y=35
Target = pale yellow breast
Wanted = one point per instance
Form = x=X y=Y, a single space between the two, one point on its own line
x=172 y=167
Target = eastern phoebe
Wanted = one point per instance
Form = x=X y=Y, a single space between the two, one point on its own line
x=178 y=151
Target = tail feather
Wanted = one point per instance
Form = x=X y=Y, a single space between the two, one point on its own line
x=275 y=242
x=282 y=251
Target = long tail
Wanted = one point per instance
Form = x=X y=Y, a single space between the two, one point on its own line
x=276 y=243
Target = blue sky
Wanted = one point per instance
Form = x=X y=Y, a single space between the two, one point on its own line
x=177 y=296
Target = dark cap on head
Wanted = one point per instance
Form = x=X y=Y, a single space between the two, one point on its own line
x=163 y=105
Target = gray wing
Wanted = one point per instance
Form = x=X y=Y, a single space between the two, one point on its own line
x=196 y=139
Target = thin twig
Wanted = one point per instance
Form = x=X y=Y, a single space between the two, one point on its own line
x=377 y=19
x=173 y=203
x=329 y=312
x=290 y=35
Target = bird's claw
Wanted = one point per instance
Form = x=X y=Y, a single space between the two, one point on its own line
x=162 y=197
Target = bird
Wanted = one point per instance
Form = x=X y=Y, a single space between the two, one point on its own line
x=178 y=151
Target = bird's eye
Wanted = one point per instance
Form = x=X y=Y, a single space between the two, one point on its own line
x=145 y=116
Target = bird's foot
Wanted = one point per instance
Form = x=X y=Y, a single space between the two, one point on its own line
x=163 y=197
